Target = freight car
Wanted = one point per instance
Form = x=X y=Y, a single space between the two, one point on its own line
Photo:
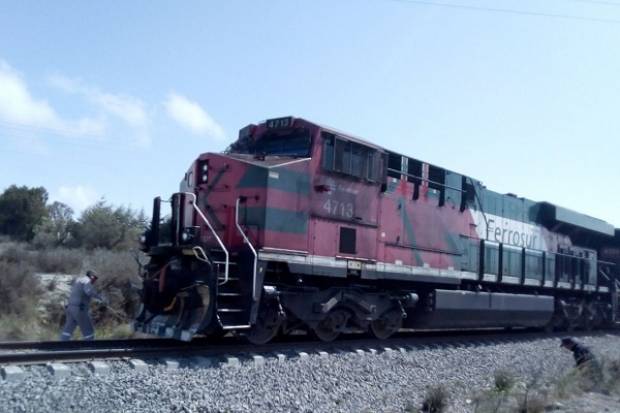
x=300 y=226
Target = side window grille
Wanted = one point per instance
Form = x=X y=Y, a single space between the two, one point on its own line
x=437 y=181
x=414 y=175
x=394 y=165
x=328 y=151
x=350 y=158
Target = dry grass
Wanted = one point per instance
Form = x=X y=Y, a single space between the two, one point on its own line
x=16 y=328
x=57 y=260
x=20 y=292
x=19 y=288
x=532 y=397
x=16 y=252
x=25 y=316
x=117 y=331
x=533 y=403
x=118 y=280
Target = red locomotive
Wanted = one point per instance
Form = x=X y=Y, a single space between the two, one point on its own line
x=300 y=226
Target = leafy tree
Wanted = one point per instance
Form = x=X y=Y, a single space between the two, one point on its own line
x=56 y=229
x=105 y=226
x=21 y=210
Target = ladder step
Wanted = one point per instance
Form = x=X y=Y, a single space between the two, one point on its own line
x=230 y=310
x=229 y=294
x=236 y=327
x=229 y=278
x=224 y=263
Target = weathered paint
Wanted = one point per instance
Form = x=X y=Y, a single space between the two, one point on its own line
x=296 y=204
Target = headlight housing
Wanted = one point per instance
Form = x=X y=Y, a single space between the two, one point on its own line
x=189 y=235
x=203 y=171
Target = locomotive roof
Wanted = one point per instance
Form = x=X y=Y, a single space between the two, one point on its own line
x=352 y=138
x=362 y=141
x=556 y=213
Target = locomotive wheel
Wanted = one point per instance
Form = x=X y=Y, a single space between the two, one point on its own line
x=267 y=325
x=389 y=323
x=330 y=327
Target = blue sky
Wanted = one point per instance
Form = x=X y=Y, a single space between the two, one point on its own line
x=115 y=99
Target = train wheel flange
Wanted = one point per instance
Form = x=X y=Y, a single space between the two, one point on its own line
x=267 y=325
x=330 y=327
x=386 y=325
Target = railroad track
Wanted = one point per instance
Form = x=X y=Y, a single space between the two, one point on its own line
x=25 y=353
x=68 y=345
x=35 y=352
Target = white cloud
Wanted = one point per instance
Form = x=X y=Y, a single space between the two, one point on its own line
x=193 y=117
x=19 y=109
x=128 y=109
x=78 y=197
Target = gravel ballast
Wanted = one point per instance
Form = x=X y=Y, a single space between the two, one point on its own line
x=340 y=382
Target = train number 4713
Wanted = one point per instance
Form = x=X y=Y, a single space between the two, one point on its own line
x=338 y=208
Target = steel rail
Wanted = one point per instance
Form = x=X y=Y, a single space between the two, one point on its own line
x=92 y=344
x=289 y=345
x=38 y=357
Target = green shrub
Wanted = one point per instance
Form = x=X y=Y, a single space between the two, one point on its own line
x=55 y=230
x=105 y=226
x=21 y=210
x=435 y=400
x=503 y=380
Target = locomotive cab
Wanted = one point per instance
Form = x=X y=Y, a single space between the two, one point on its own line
x=204 y=275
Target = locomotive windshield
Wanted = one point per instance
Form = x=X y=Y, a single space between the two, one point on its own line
x=294 y=143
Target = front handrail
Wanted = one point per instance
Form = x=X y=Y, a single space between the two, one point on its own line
x=219 y=241
x=200 y=255
x=247 y=241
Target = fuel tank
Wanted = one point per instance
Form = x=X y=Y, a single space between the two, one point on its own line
x=465 y=309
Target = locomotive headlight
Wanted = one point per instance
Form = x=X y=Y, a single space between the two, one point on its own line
x=189 y=235
x=142 y=239
x=203 y=171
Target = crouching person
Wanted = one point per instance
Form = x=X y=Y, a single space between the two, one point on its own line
x=77 y=310
x=585 y=361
